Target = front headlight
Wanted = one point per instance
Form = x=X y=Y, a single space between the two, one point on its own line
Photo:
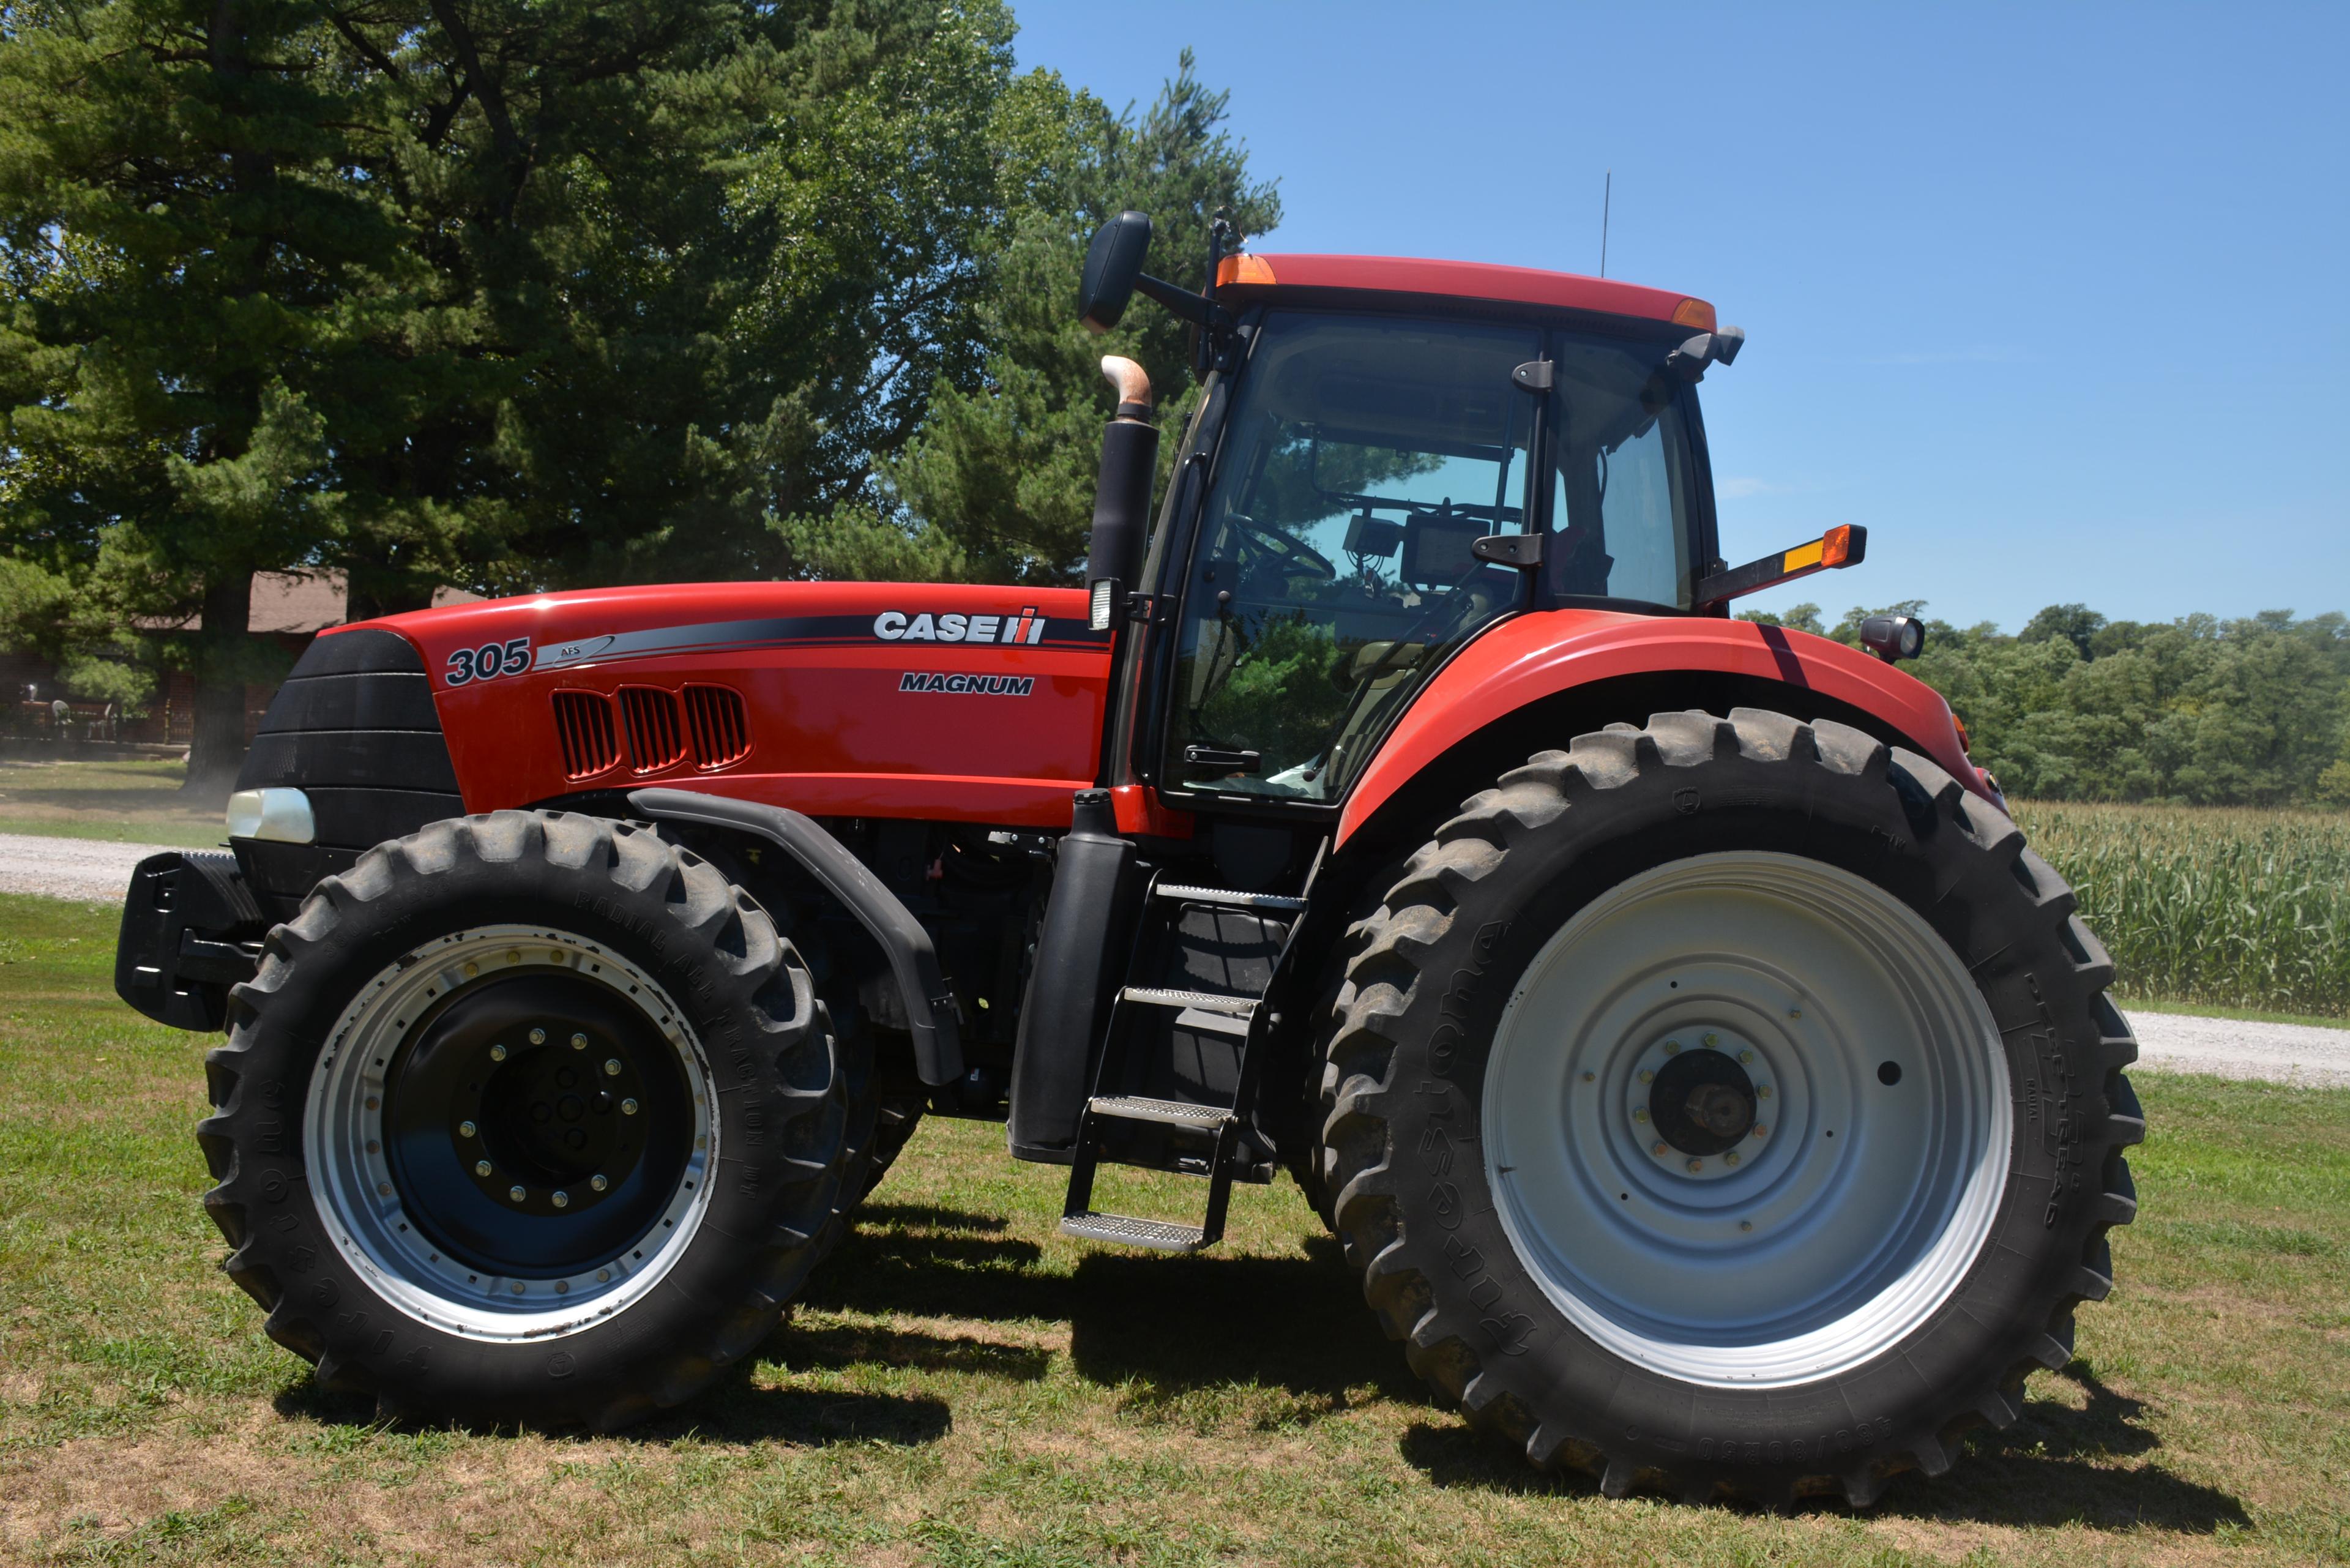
x=280 y=816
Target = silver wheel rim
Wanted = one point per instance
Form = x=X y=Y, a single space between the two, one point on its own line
x=354 y=1180
x=1849 y=1212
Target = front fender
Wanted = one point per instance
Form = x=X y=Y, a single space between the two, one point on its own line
x=1532 y=657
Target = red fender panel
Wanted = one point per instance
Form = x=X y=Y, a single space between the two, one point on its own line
x=1531 y=657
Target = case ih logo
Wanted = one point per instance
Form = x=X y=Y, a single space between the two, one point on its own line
x=896 y=626
x=967 y=685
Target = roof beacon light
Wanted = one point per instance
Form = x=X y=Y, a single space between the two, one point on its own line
x=1843 y=545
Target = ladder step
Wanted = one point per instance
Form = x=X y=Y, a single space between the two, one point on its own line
x=1206 y=1000
x=1157 y=1234
x=1174 y=1113
x=1230 y=898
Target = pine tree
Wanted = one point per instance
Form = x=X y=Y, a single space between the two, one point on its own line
x=179 y=242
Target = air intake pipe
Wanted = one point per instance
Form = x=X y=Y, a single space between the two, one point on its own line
x=1129 y=459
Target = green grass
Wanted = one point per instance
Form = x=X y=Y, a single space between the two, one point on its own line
x=2234 y=907
x=964 y=1386
x=127 y=801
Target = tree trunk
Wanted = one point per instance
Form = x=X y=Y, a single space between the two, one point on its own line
x=218 y=750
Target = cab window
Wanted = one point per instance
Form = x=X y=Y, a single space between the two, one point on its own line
x=1332 y=568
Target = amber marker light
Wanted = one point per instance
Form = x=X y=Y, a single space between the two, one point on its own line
x=1243 y=269
x=1694 y=313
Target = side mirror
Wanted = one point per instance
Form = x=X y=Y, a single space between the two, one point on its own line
x=1113 y=262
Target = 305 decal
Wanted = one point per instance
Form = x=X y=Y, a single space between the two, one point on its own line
x=488 y=662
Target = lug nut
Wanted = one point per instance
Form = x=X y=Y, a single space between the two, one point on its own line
x=579 y=1042
x=627 y=1107
x=482 y=1167
x=1658 y=1148
x=1646 y=1076
x=513 y=955
x=1761 y=1130
x=1695 y=1166
x=466 y=1129
x=497 y=1053
x=611 y=1066
x=600 y=1182
x=472 y=968
x=538 y=1036
x=1746 y=1056
x=563 y=1201
x=1672 y=1047
x=384 y=1189
x=1762 y=1091
x=1746 y=1224
x=374 y=1147
x=1712 y=1039
x=373 y=1102
x=1639 y=1113
x=516 y=1193
x=1730 y=1159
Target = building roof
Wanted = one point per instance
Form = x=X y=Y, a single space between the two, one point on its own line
x=295 y=604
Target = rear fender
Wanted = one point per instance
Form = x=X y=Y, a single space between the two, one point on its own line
x=1535 y=682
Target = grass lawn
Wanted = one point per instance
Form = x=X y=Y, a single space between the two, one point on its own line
x=964 y=1386
x=134 y=802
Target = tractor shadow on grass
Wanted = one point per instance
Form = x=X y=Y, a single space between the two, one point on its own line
x=2052 y=1467
x=733 y=1410
x=1163 y=1325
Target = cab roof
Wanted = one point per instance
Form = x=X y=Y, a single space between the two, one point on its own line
x=1465 y=280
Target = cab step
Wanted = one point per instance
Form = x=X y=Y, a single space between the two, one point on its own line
x=1212 y=1012
x=1171 y=1113
x=1206 y=1001
x=1157 y=1234
x=1230 y=898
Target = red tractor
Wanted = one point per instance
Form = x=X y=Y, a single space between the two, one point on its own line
x=1710 y=1089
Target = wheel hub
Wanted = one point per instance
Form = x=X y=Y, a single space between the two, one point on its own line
x=1703 y=1103
x=511 y=1127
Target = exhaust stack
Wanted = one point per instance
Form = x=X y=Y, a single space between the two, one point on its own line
x=1129 y=457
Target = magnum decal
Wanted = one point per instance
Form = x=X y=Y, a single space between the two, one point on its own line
x=896 y=626
x=967 y=685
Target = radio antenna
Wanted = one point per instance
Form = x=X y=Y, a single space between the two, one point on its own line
x=1607 y=200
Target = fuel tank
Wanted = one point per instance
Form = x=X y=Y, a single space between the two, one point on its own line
x=943 y=701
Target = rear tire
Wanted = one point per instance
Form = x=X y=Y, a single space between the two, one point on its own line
x=528 y=1117
x=1689 y=1286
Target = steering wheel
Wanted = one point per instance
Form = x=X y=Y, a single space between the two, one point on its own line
x=1284 y=555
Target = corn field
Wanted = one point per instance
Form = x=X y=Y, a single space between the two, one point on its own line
x=2227 y=905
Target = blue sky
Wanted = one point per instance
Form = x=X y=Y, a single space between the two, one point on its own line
x=2050 y=297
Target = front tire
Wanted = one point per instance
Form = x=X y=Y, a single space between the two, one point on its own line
x=1730 y=1107
x=529 y=1117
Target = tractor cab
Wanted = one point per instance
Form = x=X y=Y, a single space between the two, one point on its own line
x=1390 y=457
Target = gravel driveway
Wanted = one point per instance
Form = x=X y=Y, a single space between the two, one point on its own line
x=70 y=867
x=2283 y=1052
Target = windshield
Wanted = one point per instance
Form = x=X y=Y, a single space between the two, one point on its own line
x=1364 y=456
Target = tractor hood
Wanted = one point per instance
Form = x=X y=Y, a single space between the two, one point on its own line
x=833 y=699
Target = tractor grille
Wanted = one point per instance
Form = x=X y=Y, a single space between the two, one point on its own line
x=582 y=720
x=655 y=739
x=713 y=719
